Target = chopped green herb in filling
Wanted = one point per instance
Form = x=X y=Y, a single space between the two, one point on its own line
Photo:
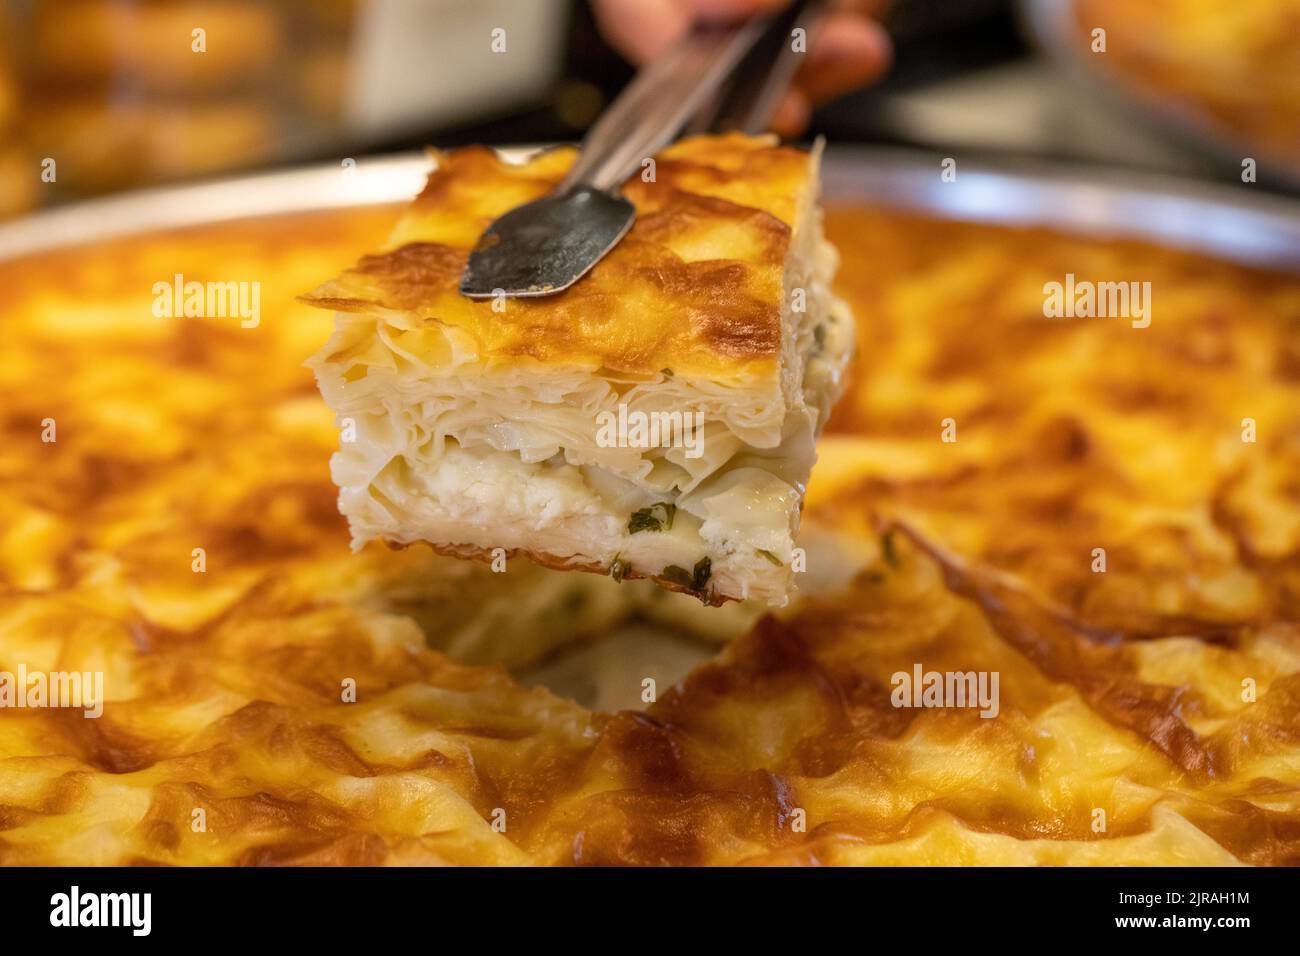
x=702 y=572
x=677 y=575
x=694 y=579
x=764 y=553
x=658 y=517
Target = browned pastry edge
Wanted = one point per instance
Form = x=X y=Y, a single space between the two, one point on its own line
x=708 y=596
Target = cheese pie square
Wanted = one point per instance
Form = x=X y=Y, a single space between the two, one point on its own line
x=656 y=420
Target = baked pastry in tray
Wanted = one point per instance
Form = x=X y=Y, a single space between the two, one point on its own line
x=1148 y=714
x=657 y=420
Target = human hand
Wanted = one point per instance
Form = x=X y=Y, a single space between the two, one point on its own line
x=848 y=49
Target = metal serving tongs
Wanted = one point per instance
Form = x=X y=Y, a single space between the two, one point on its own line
x=721 y=78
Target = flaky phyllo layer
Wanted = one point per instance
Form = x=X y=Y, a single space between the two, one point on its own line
x=656 y=420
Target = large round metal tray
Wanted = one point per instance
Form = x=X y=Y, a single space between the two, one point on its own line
x=1234 y=222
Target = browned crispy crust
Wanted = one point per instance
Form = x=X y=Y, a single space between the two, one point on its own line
x=707 y=596
x=671 y=294
x=1119 y=691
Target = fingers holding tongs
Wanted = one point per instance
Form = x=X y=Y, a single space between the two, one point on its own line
x=748 y=98
x=716 y=78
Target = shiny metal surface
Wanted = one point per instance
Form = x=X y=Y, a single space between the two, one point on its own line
x=545 y=246
x=1237 y=223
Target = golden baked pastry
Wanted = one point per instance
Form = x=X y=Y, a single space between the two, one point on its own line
x=19 y=172
x=150 y=48
x=1120 y=691
x=1235 y=65
x=125 y=94
x=102 y=145
x=19 y=181
x=8 y=79
x=657 y=420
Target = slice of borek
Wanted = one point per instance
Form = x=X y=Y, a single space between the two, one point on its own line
x=656 y=420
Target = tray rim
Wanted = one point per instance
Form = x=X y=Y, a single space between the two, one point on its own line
x=1218 y=219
